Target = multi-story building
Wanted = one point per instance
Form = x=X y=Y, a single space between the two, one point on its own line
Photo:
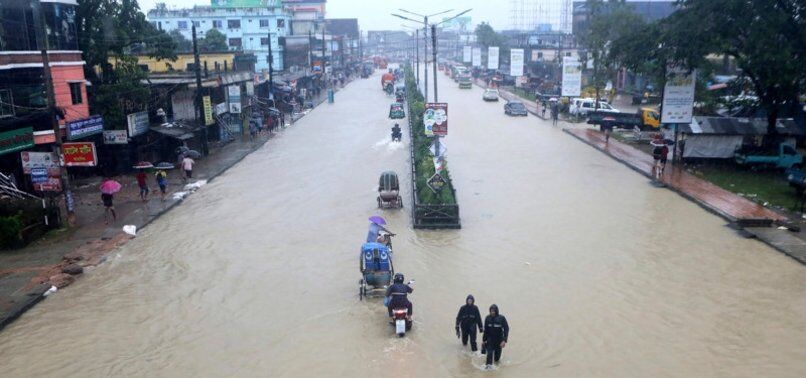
x=23 y=97
x=249 y=25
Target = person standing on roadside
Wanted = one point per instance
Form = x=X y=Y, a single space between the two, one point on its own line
x=141 y=182
x=496 y=334
x=467 y=320
x=162 y=182
x=187 y=166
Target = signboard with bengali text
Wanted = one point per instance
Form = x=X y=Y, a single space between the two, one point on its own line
x=138 y=123
x=16 y=140
x=208 y=111
x=79 y=154
x=466 y=54
x=116 y=137
x=477 y=57
x=85 y=127
x=32 y=160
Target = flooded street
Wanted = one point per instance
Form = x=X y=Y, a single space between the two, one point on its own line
x=598 y=272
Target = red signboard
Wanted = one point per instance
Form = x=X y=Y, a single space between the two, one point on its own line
x=79 y=154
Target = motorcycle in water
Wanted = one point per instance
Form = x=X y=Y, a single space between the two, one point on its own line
x=401 y=319
x=396 y=134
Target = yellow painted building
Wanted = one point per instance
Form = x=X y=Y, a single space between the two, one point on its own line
x=183 y=62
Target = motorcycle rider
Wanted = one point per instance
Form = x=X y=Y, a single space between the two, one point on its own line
x=496 y=333
x=398 y=294
x=396 y=132
x=467 y=320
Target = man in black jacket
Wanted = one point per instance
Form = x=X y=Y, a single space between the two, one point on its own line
x=496 y=332
x=467 y=320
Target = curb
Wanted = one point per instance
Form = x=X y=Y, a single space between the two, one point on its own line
x=32 y=298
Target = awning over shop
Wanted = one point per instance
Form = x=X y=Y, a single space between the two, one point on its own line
x=175 y=131
x=739 y=126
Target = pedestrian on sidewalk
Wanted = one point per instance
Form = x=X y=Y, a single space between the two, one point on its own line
x=555 y=113
x=467 y=320
x=187 y=166
x=108 y=188
x=496 y=334
x=141 y=182
x=162 y=182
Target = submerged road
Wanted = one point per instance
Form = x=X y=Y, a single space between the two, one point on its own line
x=598 y=272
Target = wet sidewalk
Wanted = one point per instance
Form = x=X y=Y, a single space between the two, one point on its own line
x=753 y=217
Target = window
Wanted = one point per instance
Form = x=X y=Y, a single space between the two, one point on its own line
x=540 y=55
x=159 y=25
x=191 y=67
x=568 y=54
x=235 y=42
x=182 y=25
x=264 y=41
x=268 y=59
x=233 y=24
x=197 y=24
x=218 y=24
x=280 y=23
x=75 y=93
x=264 y=23
x=143 y=67
x=6 y=103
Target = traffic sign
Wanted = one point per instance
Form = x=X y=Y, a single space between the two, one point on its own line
x=436 y=182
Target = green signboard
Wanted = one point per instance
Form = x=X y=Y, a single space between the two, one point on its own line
x=16 y=140
x=244 y=3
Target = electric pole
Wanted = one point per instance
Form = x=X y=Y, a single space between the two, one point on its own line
x=199 y=106
x=310 y=50
x=434 y=51
x=271 y=66
x=425 y=58
x=417 y=49
x=42 y=40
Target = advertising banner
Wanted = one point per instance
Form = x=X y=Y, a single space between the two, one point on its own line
x=221 y=108
x=208 y=110
x=85 y=127
x=250 y=87
x=39 y=175
x=32 y=160
x=52 y=184
x=15 y=140
x=477 y=57
x=572 y=77
x=492 y=58
x=116 y=137
x=79 y=154
x=138 y=123
x=234 y=98
x=435 y=118
x=678 y=97
x=516 y=62
x=466 y=52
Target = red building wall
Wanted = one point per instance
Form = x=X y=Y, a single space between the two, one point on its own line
x=62 y=77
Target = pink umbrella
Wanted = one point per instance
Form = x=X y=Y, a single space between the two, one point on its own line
x=110 y=187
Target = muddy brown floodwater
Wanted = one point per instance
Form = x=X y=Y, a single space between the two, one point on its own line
x=598 y=272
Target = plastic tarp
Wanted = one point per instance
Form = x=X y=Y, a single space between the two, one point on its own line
x=711 y=146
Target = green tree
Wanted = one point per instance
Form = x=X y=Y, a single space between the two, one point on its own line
x=486 y=36
x=609 y=21
x=213 y=40
x=183 y=45
x=123 y=94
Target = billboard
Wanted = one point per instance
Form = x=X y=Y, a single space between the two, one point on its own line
x=516 y=62
x=79 y=154
x=244 y=3
x=32 y=160
x=572 y=77
x=492 y=57
x=678 y=96
x=466 y=54
x=435 y=118
x=137 y=123
x=234 y=95
x=477 y=57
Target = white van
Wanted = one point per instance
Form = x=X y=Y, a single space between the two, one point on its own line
x=581 y=107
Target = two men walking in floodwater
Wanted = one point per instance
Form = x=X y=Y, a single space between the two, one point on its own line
x=495 y=330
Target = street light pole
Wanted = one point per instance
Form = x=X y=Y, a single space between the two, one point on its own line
x=425 y=57
x=417 y=48
x=434 y=51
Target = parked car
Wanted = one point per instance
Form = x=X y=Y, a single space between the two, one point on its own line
x=490 y=95
x=784 y=156
x=581 y=107
x=515 y=108
x=644 y=118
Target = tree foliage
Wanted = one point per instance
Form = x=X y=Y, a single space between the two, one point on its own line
x=486 y=36
x=213 y=41
x=123 y=94
x=183 y=45
x=766 y=39
x=609 y=22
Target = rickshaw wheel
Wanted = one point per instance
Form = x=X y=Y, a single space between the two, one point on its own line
x=379 y=202
x=400 y=201
x=361 y=290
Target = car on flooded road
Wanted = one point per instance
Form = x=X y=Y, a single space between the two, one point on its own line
x=515 y=108
x=490 y=95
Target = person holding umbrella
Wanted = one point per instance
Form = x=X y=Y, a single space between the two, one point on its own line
x=108 y=188
x=376 y=224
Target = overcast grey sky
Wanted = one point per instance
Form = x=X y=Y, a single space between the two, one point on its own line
x=374 y=14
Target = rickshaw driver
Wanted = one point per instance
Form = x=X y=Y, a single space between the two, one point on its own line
x=399 y=295
x=375 y=231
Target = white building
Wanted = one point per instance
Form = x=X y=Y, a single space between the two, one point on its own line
x=248 y=29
